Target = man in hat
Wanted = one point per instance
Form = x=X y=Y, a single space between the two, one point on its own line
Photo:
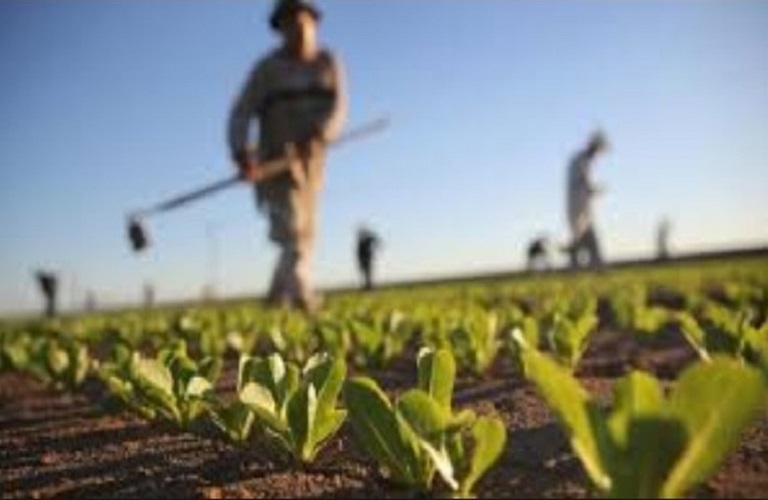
x=297 y=94
x=581 y=191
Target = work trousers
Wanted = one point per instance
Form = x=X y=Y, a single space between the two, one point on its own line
x=586 y=245
x=291 y=206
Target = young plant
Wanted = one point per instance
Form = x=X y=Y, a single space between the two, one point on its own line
x=475 y=340
x=172 y=386
x=649 y=446
x=528 y=328
x=378 y=337
x=235 y=419
x=290 y=335
x=297 y=407
x=569 y=335
x=52 y=358
x=420 y=435
x=727 y=333
x=67 y=362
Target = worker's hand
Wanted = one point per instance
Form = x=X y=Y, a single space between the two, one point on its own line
x=250 y=170
x=598 y=189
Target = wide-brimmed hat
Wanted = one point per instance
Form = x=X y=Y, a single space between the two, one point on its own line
x=289 y=7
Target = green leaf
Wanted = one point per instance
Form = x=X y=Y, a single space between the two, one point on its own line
x=584 y=424
x=154 y=373
x=715 y=401
x=636 y=395
x=425 y=415
x=198 y=387
x=210 y=368
x=694 y=334
x=328 y=376
x=377 y=428
x=646 y=441
x=235 y=419
x=301 y=414
x=58 y=359
x=260 y=400
x=442 y=462
x=155 y=384
x=639 y=467
x=489 y=437
x=437 y=373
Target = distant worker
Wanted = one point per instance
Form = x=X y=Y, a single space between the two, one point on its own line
x=538 y=254
x=149 y=295
x=48 y=283
x=90 y=301
x=581 y=191
x=662 y=239
x=368 y=243
x=297 y=94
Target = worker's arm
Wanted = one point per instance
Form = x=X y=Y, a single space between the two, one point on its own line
x=331 y=127
x=245 y=109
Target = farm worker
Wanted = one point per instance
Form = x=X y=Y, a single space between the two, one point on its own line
x=297 y=94
x=48 y=283
x=368 y=244
x=581 y=191
x=662 y=239
x=538 y=252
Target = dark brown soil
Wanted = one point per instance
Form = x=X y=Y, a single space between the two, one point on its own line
x=59 y=444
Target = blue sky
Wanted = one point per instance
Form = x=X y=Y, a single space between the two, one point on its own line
x=110 y=106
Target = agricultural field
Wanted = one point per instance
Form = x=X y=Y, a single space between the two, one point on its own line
x=636 y=382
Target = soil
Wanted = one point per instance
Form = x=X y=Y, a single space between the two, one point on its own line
x=76 y=445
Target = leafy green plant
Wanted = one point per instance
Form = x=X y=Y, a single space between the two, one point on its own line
x=377 y=337
x=172 y=385
x=523 y=326
x=235 y=418
x=52 y=358
x=725 y=332
x=568 y=338
x=297 y=407
x=475 y=339
x=290 y=335
x=67 y=362
x=632 y=311
x=420 y=435
x=649 y=446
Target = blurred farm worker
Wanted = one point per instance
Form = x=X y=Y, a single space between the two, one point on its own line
x=581 y=191
x=297 y=94
x=48 y=283
x=662 y=239
x=368 y=243
x=538 y=253
x=149 y=295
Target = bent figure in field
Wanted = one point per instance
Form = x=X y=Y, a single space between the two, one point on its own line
x=538 y=254
x=368 y=244
x=48 y=283
x=297 y=94
x=662 y=239
x=581 y=191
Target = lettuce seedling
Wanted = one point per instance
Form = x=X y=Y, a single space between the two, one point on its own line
x=569 y=336
x=298 y=408
x=172 y=385
x=649 y=446
x=419 y=434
